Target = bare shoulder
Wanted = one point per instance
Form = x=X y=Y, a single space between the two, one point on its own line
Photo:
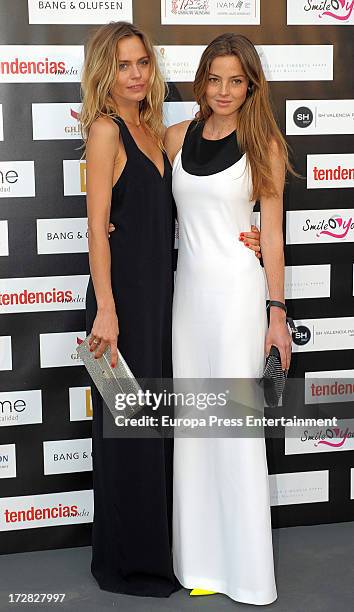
x=174 y=138
x=104 y=129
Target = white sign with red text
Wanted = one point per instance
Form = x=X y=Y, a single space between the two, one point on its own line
x=41 y=63
x=46 y=510
x=40 y=293
x=330 y=171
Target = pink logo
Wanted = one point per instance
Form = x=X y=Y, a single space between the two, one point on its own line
x=339 y=227
x=344 y=10
x=336 y=226
x=336 y=433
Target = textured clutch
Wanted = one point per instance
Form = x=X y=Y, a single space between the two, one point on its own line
x=274 y=378
x=110 y=381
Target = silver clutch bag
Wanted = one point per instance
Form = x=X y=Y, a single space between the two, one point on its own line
x=110 y=381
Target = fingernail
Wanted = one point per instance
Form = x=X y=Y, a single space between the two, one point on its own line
x=246 y=244
x=242 y=238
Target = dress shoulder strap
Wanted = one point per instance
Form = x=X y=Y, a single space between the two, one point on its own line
x=128 y=140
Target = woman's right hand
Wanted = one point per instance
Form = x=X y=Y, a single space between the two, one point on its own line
x=105 y=332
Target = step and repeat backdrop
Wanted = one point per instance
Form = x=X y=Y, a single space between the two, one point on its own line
x=306 y=48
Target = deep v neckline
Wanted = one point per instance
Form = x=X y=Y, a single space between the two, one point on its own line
x=162 y=176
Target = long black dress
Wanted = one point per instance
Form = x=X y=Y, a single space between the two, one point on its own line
x=132 y=477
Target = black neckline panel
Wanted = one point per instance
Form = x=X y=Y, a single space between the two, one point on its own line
x=203 y=157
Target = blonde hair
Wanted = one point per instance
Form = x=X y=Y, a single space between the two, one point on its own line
x=100 y=72
x=256 y=126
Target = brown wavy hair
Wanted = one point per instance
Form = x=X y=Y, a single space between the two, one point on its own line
x=100 y=72
x=256 y=125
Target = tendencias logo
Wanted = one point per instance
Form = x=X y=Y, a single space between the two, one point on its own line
x=42 y=293
x=46 y=510
x=320 y=12
x=330 y=171
x=40 y=63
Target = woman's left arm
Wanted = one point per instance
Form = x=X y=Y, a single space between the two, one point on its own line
x=272 y=247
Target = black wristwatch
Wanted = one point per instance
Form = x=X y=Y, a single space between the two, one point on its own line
x=278 y=304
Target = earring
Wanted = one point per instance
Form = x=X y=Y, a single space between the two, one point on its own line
x=250 y=89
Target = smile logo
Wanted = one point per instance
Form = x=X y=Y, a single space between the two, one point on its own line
x=339 y=227
x=341 y=10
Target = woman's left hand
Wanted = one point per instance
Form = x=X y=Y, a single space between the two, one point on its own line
x=278 y=335
x=252 y=240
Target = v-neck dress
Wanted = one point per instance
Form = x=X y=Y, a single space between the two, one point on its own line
x=132 y=477
x=222 y=536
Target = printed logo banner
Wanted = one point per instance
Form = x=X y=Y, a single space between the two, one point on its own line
x=179 y=63
x=7 y=461
x=297 y=62
x=332 y=334
x=320 y=226
x=58 y=350
x=67 y=456
x=79 y=12
x=80 y=401
x=299 y=440
x=304 y=117
x=307 y=281
x=330 y=171
x=320 y=12
x=56 y=121
x=74 y=172
x=1 y=124
x=17 y=179
x=337 y=386
x=20 y=407
x=4 y=239
x=62 y=235
x=40 y=293
x=175 y=112
x=210 y=12
x=298 y=488
x=48 y=510
x=41 y=63
x=5 y=353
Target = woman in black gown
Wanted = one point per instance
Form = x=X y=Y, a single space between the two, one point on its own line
x=129 y=184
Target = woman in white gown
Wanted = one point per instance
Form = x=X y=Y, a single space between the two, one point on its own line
x=231 y=156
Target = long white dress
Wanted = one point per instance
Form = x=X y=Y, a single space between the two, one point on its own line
x=222 y=537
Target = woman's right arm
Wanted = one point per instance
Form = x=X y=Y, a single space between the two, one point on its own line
x=101 y=153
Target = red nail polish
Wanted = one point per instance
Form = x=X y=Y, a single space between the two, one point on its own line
x=242 y=238
x=246 y=244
